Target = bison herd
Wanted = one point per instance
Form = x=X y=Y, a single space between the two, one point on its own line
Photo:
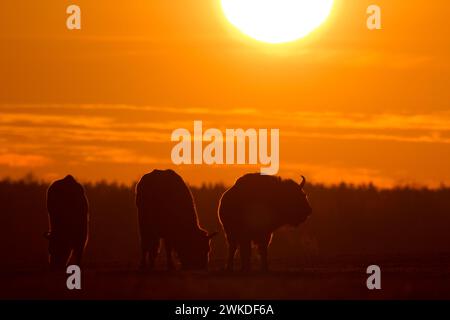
x=250 y=211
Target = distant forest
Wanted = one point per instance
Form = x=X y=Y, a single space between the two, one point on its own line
x=346 y=220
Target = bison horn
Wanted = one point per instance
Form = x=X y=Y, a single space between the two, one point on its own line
x=302 y=184
x=212 y=235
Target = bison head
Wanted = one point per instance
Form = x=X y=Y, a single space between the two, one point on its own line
x=298 y=205
x=194 y=254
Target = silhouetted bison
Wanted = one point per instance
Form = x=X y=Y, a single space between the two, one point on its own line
x=68 y=217
x=254 y=208
x=166 y=211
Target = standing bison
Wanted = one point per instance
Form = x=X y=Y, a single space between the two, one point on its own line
x=68 y=217
x=166 y=211
x=254 y=208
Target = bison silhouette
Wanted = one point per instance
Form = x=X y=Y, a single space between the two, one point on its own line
x=167 y=212
x=67 y=208
x=254 y=208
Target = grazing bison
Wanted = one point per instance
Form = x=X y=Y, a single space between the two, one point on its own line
x=254 y=208
x=68 y=217
x=166 y=211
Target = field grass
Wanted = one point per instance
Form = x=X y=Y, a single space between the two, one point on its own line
x=403 y=230
x=332 y=280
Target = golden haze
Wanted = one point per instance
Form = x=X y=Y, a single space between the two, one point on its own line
x=351 y=104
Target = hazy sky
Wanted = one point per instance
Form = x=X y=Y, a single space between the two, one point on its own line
x=101 y=103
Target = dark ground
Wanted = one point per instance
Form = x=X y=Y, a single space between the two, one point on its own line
x=403 y=230
x=338 y=279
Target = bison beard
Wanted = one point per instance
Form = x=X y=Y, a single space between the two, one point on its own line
x=254 y=208
x=166 y=211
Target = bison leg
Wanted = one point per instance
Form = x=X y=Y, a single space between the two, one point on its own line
x=169 y=249
x=262 y=249
x=143 y=263
x=245 y=247
x=232 y=247
x=149 y=251
x=58 y=258
x=77 y=254
x=263 y=244
x=153 y=252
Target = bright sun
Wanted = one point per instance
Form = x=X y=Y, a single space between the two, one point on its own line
x=277 y=21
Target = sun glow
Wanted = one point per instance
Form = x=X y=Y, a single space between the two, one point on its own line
x=277 y=21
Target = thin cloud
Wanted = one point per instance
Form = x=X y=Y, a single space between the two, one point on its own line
x=16 y=160
x=131 y=138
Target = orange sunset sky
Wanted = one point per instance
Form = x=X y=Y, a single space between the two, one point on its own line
x=351 y=104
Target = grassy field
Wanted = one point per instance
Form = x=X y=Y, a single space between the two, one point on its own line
x=403 y=230
x=334 y=279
